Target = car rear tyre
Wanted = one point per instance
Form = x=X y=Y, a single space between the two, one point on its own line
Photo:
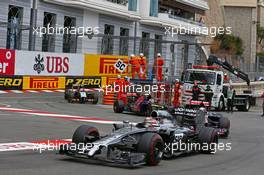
x=118 y=106
x=152 y=145
x=224 y=123
x=82 y=100
x=70 y=100
x=95 y=98
x=85 y=134
x=208 y=138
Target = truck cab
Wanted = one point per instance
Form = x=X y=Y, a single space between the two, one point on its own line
x=204 y=77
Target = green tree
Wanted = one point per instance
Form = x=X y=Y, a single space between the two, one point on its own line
x=230 y=43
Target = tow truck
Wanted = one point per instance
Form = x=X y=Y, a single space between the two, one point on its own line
x=214 y=77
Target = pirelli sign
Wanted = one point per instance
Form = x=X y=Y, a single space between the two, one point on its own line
x=39 y=83
x=11 y=83
x=105 y=65
x=87 y=82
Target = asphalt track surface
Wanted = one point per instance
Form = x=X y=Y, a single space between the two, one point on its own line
x=245 y=158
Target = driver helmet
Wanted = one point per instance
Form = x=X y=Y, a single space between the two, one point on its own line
x=118 y=76
x=158 y=55
x=150 y=122
x=126 y=78
x=141 y=55
x=132 y=55
x=177 y=80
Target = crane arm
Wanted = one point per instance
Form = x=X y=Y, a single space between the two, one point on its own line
x=215 y=60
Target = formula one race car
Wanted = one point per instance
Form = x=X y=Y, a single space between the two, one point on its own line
x=215 y=120
x=127 y=144
x=141 y=143
x=80 y=94
x=133 y=102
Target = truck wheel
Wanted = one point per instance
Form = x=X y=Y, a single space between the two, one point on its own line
x=246 y=107
x=85 y=134
x=208 y=138
x=221 y=105
x=118 y=106
x=152 y=145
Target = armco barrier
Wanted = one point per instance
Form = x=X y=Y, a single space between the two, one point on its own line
x=256 y=87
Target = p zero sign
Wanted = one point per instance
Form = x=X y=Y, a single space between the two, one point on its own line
x=49 y=64
x=7 y=62
x=87 y=82
x=11 y=83
x=39 y=83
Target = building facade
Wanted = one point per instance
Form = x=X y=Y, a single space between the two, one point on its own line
x=124 y=27
x=241 y=15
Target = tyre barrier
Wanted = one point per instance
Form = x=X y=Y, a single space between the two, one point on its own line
x=109 y=98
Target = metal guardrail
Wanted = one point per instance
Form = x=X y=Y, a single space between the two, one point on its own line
x=257 y=87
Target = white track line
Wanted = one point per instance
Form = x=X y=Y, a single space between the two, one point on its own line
x=38 y=146
x=47 y=91
x=59 y=90
x=17 y=91
x=3 y=92
x=62 y=116
x=32 y=91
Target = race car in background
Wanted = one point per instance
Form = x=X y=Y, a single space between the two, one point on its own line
x=80 y=94
x=187 y=116
x=134 y=102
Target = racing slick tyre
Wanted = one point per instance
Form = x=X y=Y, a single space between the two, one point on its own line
x=225 y=124
x=208 y=138
x=118 y=106
x=85 y=134
x=95 y=99
x=152 y=145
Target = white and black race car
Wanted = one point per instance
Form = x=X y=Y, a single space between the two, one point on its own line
x=141 y=143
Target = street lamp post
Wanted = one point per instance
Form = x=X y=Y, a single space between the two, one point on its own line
x=33 y=21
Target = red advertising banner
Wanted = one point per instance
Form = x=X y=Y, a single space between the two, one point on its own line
x=7 y=62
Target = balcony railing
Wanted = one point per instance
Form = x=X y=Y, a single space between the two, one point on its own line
x=120 y=2
x=186 y=20
x=201 y=4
